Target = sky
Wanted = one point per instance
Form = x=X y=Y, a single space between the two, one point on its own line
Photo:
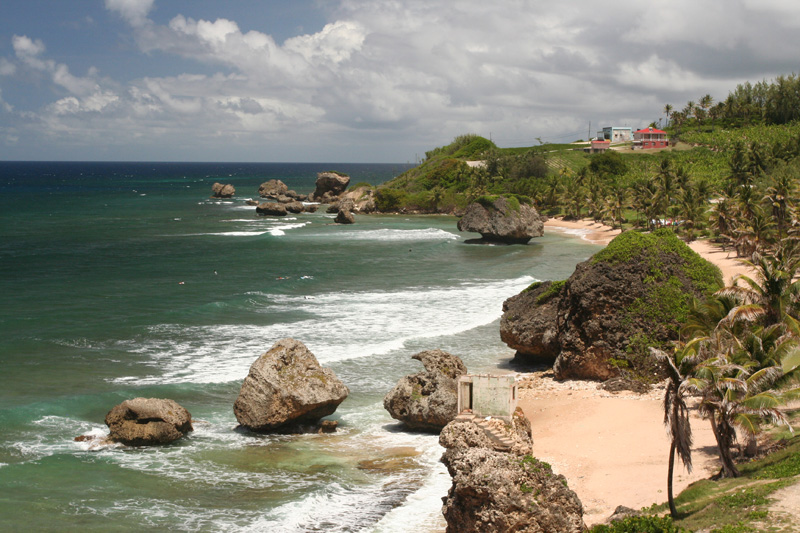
x=362 y=80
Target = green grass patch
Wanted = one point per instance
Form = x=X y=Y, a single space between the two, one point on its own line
x=553 y=290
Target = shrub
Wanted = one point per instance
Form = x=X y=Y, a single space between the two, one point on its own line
x=640 y=524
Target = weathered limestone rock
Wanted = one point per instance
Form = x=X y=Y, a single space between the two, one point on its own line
x=285 y=386
x=533 y=333
x=218 y=190
x=503 y=491
x=147 y=421
x=330 y=183
x=271 y=209
x=503 y=220
x=427 y=400
x=345 y=217
x=295 y=207
x=599 y=323
x=272 y=189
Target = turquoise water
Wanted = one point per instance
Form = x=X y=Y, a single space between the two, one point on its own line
x=125 y=279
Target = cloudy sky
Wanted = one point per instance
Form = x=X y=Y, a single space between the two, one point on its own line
x=362 y=80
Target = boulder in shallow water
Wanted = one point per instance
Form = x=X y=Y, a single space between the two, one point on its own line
x=271 y=209
x=272 y=189
x=286 y=386
x=345 y=217
x=427 y=400
x=329 y=186
x=218 y=190
x=147 y=421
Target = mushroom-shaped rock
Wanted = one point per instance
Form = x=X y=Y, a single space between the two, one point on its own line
x=272 y=189
x=271 y=209
x=331 y=183
x=218 y=190
x=427 y=400
x=502 y=220
x=285 y=386
x=147 y=421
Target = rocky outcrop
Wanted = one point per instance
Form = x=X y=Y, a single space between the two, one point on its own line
x=534 y=334
x=427 y=400
x=496 y=490
x=295 y=207
x=362 y=199
x=329 y=186
x=502 y=220
x=286 y=386
x=271 y=209
x=272 y=189
x=345 y=217
x=218 y=190
x=600 y=322
x=148 y=421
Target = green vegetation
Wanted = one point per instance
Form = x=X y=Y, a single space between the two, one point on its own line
x=553 y=290
x=639 y=524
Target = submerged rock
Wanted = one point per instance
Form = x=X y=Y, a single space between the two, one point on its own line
x=218 y=190
x=503 y=490
x=502 y=220
x=285 y=386
x=147 y=421
x=427 y=400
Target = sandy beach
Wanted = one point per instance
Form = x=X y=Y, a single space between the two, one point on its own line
x=613 y=447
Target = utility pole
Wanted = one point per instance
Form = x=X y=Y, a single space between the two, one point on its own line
x=589 y=134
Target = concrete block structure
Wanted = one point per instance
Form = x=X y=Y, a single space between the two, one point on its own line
x=616 y=134
x=488 y=395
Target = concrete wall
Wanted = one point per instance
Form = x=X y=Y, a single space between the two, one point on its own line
x=488 y=395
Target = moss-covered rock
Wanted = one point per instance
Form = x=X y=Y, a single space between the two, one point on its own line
x=633 y=294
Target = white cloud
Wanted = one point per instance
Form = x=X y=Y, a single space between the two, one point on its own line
x=133 y=11
x=415 y=73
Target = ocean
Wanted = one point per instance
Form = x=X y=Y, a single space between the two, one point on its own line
x=121 y=280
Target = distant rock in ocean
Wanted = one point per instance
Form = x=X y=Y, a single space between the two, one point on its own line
x=427 y=400
x=286 y=386
x=503 y=220
x=218 y=190
x=329 y=186
x=601 y=321
x=271 y=209
x=148 y=421
x=272 y=189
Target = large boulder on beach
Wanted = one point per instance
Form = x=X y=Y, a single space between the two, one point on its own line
x=219 y=190
x=271 y=209
x=329 y=186
x=601 y=322
x=496 y=490
x=272 y=189
x=148 y=421
x=427 y=400
x=287 y=386
x=501 y=219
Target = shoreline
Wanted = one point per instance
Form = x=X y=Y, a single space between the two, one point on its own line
x=613 y=447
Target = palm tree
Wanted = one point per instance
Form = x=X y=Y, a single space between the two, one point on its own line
x=667 y=112
x=676 y=413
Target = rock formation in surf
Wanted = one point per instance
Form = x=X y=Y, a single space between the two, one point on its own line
x=427 y=400
x=271 y=209
x=503 y=220
x=147 y=421
x=501 y=487
x=272 y=189
x=600 y=323
x=329 y=186
x=218 y=190
x=287 y=386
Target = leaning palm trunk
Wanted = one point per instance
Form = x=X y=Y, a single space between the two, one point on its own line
x=724 y=435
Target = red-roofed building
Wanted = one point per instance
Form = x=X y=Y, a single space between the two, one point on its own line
x=597 y=146
x=650 y=138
